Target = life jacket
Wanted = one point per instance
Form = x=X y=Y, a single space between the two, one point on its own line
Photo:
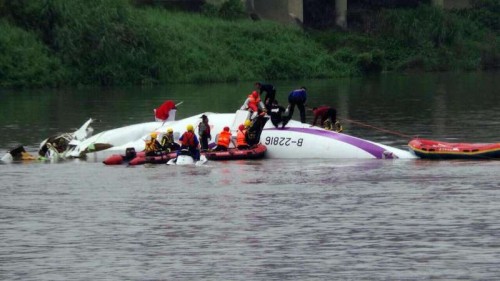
x=188 y=139
x=224 y=139
x=151 y=145
x=167 y=139
x=253 y=103
x=203 y=129
x=241 y=138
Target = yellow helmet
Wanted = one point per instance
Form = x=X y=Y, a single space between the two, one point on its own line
x=190 y=128
x=170 y=130
x=247 y=123
x=153 y=135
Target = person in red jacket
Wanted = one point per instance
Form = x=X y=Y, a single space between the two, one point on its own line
x=163 y=111
x=323 y=113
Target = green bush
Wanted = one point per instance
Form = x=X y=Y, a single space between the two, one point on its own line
x=371 y=62
x=111 y=42
x=25 y=61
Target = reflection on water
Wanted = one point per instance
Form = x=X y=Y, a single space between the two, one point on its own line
x=440 y=106
x=244 y=220
x=287 y=219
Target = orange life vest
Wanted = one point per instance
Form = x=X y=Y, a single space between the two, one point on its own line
x=240 y=138
x=253 y=103
x=188 y=139
x=224 y=138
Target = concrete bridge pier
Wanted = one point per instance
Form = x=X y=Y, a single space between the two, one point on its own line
x=340 y=13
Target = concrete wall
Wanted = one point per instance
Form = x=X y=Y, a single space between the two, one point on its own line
x=284 y=11
x=292 y=11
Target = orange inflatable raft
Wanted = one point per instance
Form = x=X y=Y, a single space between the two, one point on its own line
x=433 y=149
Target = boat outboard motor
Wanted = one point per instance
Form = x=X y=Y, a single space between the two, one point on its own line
x=130 y=153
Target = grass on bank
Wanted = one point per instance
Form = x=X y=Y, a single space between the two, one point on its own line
x=111 y=42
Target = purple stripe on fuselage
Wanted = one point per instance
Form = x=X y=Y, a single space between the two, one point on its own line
x=369 y=147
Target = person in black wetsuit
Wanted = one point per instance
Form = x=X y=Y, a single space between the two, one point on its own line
x=270 y=91
x=275 y=112
x=255 y=129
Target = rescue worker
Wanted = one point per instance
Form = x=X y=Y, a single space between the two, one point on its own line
x=253 y=104
x=204 y=132
x=225 y=138
x=189 y=141
x=275 y=112
x=323 y=113
x=241 y=137
x=152 y=145
x=270 y=91
x=297 y=98
x=254 y=129
x=168 y=143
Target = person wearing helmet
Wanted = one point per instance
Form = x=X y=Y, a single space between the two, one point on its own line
x=254 y=129
x=204 y=132
x=247 y=124
x=152 y=144
x=270 y=91
x=167 y=141
x=241 y=138
x=224 y=139
x=253 y=104
x=189 y=141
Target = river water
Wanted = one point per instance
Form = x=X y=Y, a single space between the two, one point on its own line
x=258 y=220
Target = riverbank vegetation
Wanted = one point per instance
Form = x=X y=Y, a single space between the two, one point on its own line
x=53 y=43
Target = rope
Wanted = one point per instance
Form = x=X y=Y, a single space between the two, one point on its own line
x=377 y=128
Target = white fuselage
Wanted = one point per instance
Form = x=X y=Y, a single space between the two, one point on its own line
x=297 y=140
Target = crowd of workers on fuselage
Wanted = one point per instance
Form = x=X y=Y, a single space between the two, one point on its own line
x=280 y=115
x=248 y=133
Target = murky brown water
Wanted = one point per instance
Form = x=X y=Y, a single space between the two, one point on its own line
x=258 y=220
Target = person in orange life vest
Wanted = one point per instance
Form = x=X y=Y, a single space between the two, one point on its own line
x=189 y=141
x=323 y=113
x=163 y=111
x=241 y=138
x=204 y=132
x=225 y=138
x=152 y=145
x=253 y=104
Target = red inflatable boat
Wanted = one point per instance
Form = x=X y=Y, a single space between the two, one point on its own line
x=139 y=158
x=432 y=149
x=256 y=152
